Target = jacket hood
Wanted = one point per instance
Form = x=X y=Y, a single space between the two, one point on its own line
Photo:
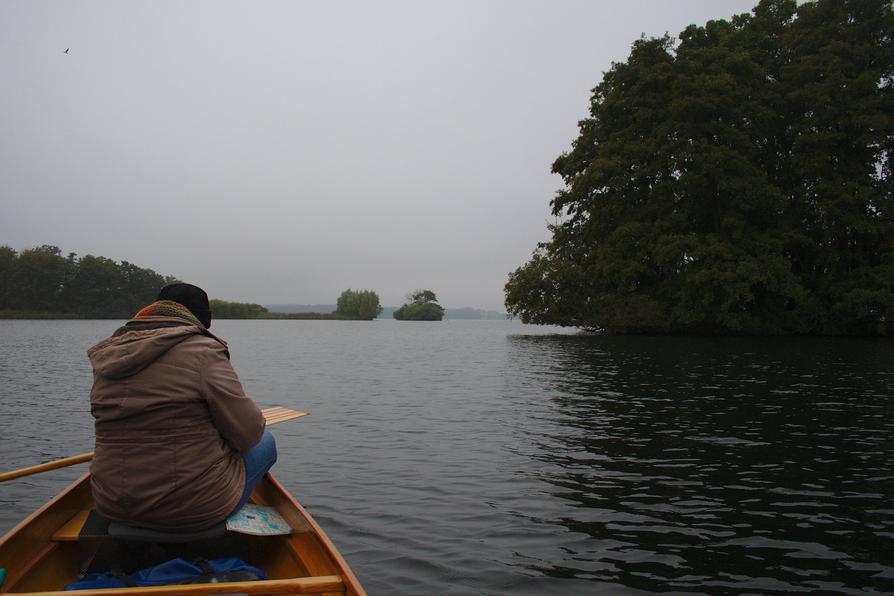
x=130 y=350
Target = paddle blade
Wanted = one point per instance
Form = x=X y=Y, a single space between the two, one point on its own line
x=279 y=414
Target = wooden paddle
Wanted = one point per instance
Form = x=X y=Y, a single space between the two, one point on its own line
x=273 y=415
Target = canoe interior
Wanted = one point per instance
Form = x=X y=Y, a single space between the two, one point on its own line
x=35 y=562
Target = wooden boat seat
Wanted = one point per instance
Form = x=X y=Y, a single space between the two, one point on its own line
x=120 y=531
x=89 y=525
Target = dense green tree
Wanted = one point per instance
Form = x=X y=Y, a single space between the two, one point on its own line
x=423 y=307
x=363 y=305
x=101 y=287
x=422 y=296
x=140 y=285
x=740 y=182
x=8 y=258
x=96 y=288
x=42 y=280
x=36 y=279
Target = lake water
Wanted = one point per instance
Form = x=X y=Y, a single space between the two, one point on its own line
x=490 y=457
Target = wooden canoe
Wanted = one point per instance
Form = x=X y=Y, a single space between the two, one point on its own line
x=48 y=550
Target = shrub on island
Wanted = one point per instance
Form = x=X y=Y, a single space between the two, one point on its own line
x=423 y=307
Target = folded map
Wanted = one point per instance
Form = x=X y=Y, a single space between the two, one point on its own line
x=258 y=520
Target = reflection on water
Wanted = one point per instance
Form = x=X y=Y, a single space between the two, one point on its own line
x=700 y=464
x=488 y=457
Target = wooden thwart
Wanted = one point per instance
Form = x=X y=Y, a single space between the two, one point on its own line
x=273 y=415
x=71 y=531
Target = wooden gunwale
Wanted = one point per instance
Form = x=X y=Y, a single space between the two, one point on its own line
x=351 y=582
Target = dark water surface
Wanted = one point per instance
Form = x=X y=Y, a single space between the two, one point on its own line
x=488 y=457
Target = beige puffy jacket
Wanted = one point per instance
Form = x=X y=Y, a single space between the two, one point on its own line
x=171 y=421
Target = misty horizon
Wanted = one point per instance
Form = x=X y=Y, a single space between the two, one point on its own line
x=276 y=152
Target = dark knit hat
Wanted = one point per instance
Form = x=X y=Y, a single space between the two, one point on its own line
x=192 y=297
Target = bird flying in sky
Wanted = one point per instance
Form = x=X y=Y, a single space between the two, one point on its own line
x=66 y=50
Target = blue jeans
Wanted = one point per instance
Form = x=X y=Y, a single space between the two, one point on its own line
x=258 y=460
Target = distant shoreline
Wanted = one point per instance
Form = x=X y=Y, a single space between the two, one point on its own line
x=450 y=313
x=37 y=316
x=273 y=316
x=28 y=315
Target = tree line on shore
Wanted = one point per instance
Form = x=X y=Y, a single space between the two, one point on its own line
x=40 y=281
x=739 y=181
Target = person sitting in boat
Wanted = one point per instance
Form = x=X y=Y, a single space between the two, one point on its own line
x=179 y=446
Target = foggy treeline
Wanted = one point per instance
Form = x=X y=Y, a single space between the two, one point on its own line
x=40 y=281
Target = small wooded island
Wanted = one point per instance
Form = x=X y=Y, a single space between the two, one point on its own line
x=740 y=181
x=423 y=306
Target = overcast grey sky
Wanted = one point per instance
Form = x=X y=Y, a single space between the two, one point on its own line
x=280 y=152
